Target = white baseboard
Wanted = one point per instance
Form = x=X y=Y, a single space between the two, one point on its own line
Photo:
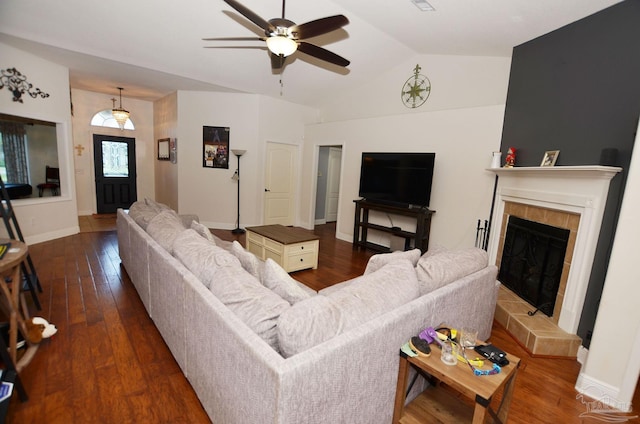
x=603 y=393
x=39 y=238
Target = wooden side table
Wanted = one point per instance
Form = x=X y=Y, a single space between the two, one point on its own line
x=441 y=404
x=10 y=266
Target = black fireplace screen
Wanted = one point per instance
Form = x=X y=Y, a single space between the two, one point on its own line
x=532 y=260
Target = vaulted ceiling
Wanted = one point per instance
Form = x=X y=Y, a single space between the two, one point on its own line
x=154 y=47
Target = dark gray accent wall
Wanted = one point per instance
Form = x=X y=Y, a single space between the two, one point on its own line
x=577 y=90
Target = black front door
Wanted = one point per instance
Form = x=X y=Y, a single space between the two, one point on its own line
x=115 y=172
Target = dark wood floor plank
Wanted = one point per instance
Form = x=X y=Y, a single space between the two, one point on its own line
x=82 y=367
x=126 y=361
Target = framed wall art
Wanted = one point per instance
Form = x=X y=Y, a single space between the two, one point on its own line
x=550 y=158
x=163 y=149
x=215 y=147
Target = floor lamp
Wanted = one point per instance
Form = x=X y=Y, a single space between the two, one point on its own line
x=236 y=177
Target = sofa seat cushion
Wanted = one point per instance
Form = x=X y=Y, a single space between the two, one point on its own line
x=221 y=272
x=164 y=227
x=441 y=268
x=319 y=318
x=276 y=279
x=381 y=259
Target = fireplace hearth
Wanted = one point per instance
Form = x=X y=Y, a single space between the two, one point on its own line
x=532 y=261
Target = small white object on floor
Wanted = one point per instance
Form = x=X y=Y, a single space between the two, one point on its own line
x=49 y=329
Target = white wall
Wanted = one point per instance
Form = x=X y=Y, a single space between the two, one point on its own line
x=253 y=121
x=461 y=122
x=85 y=105
x=34 y=215
x=165 y=119
x=613 y=363
x=456 y=82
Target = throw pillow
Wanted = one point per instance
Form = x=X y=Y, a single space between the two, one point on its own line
x=142 y=214
x=202 y=230
x=276 y=279
x=319 y=318
x=378 y=261
x=164 y=228
x=437 y=270
x=249 y=261
x=157 y=206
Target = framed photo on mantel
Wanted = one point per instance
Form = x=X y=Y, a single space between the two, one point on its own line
x=215 y=147
x=550 y=158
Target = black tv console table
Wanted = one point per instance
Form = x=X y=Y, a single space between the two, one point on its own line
x=361 y=225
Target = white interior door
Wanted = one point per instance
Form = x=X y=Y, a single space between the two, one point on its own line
x=281 y=171
x=333 y=184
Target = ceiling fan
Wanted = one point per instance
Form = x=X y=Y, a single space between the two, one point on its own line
x=284 y=37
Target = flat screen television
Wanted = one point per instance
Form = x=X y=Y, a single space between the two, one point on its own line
x=402 y=179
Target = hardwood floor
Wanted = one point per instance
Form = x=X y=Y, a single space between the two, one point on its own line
x=108 y=363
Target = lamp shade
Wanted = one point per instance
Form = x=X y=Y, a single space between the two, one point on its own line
x=238 y=152
x=281 y=45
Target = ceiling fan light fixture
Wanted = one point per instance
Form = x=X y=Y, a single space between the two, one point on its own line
x=120 y=114
x=281 y=45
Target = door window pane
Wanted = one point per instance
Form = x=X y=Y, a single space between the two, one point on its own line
x=115 y=159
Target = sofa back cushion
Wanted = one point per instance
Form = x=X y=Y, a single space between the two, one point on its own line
x=164 y=227
x=242 y=293
x=436 y=270
x=276 y=279
x=142 y=213
x=381 y=259
x=319 y=318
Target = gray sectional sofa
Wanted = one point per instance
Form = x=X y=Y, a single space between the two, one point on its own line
x=259 y=347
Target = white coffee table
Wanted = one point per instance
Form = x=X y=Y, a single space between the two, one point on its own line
x=293 y=248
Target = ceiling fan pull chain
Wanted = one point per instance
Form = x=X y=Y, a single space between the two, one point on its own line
x=281 y=84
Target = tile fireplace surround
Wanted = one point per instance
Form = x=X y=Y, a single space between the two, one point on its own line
x=571 y=197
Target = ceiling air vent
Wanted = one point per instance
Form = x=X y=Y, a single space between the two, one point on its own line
x=423 y=5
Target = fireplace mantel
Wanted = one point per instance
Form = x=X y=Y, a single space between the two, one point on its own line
x=585 y=171
x=581 y=190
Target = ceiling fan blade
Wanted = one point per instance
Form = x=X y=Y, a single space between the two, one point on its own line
x=277 y=61
x=236 y=47
x=249 y=14
x=318 y=27
x=322 y=54
x=235 y=39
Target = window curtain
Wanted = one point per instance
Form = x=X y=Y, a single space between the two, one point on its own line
x=15 y=152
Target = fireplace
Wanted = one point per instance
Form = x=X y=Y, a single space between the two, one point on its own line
x=532 y=260
x=568 y=197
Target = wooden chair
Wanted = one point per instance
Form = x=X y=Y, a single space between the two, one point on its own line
x=52 y=182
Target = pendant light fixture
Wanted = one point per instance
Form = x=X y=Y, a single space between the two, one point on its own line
x=120 y=114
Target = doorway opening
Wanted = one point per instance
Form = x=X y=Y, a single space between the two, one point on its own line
x=115 y=172
x=328 y=184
